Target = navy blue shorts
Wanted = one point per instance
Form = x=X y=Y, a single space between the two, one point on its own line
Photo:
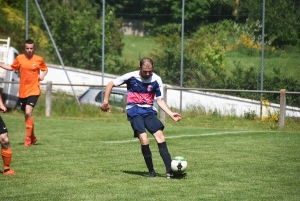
x=149 y=122
x=30 y=100
x=3 y=128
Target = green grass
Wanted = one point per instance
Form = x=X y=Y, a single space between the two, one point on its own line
x=288 y=63
x=80 y=158
x=137 y=47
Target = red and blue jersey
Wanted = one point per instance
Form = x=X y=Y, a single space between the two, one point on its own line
x=140 y=92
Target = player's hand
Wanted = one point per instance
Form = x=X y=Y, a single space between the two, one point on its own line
x=3 y=108
x=105 y=107
x=41 y=78
x=175 y=116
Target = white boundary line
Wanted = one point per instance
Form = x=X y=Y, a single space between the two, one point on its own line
x=191 y=135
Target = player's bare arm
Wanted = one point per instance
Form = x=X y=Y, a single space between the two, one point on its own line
x=5 y=66
x=105 y=107
x=42 y=76
x=162 y=104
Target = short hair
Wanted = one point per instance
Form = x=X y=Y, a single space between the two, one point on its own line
x=29 y=41
x=144 y=60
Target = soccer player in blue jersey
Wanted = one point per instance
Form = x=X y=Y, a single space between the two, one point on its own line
x=142 y=87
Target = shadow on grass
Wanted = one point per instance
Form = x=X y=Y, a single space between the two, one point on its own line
x=145 y=174
x=37 y=144
x=179 y=176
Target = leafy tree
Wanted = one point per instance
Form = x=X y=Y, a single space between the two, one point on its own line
x=282 y=19
x=12 y=24
x=77 y=30
x=243 y=79
x=156 y=13
x=279 y=80
x=10 y=27
x=168 y=56
x=204 y=60
x=127 y=9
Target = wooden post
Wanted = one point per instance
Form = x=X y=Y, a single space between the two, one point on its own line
x=48 y=98
x=282 y=108
x=162 y=113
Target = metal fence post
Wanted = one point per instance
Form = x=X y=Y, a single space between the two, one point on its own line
x=282 y=108
x=48 y=98
x=162 y=113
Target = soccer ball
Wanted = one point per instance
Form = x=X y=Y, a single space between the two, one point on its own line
x=178 y=165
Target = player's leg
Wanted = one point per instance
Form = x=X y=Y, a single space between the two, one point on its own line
x=29 y=124
x=6 y=152
x=137 y=124
x=154 y=125
x=23 y=104
x=164 y=152
x=29 y=120
x=145 y=148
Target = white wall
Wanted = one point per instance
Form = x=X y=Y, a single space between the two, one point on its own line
x=223 y=104
x=56 y=74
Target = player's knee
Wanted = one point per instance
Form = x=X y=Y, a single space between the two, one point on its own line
x=144 y=142
x=27 y=115
x=4 y=141
x=159 y=136
x=144 y=139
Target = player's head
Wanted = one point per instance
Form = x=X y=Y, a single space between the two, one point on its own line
x=146 y=67
x=29 y=48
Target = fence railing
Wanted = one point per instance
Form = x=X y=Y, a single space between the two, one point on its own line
x=282 y=93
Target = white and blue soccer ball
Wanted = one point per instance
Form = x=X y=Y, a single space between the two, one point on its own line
x=178 y=165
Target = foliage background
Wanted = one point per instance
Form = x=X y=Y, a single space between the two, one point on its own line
x=222 y=49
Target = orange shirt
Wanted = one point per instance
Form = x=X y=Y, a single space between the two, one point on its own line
x=29 y=71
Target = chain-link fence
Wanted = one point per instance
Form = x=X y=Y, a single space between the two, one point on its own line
x=224 y=47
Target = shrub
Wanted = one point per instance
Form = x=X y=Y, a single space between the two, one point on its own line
x=250 y=115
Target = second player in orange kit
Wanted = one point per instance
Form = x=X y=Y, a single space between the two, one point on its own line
x=32 y=69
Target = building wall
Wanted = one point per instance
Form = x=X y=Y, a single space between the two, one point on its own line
x=133 y=27
x=223 y=104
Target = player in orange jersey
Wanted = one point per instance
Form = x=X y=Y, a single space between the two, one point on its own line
x=4 y=141
x=32 y=70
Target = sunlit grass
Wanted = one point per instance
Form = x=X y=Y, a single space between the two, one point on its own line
x=288 y=63
x=93 y=158
x=91 y=155
x=137 y=47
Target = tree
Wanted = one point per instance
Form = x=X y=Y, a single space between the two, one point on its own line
x=204 y=60
x=12 y=24
x=156 y=13
x=282 y=19
x=77 y=30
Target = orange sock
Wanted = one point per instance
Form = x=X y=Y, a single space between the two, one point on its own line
x=29 y=127
x=32 y=131
x=6 y=157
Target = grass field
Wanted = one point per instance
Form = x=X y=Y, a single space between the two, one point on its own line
x=288 y=63
x=137 y=47
x=97 y=158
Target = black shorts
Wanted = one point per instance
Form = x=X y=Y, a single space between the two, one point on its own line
x=149 y=122
x=3 y=128
x=30 y=100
